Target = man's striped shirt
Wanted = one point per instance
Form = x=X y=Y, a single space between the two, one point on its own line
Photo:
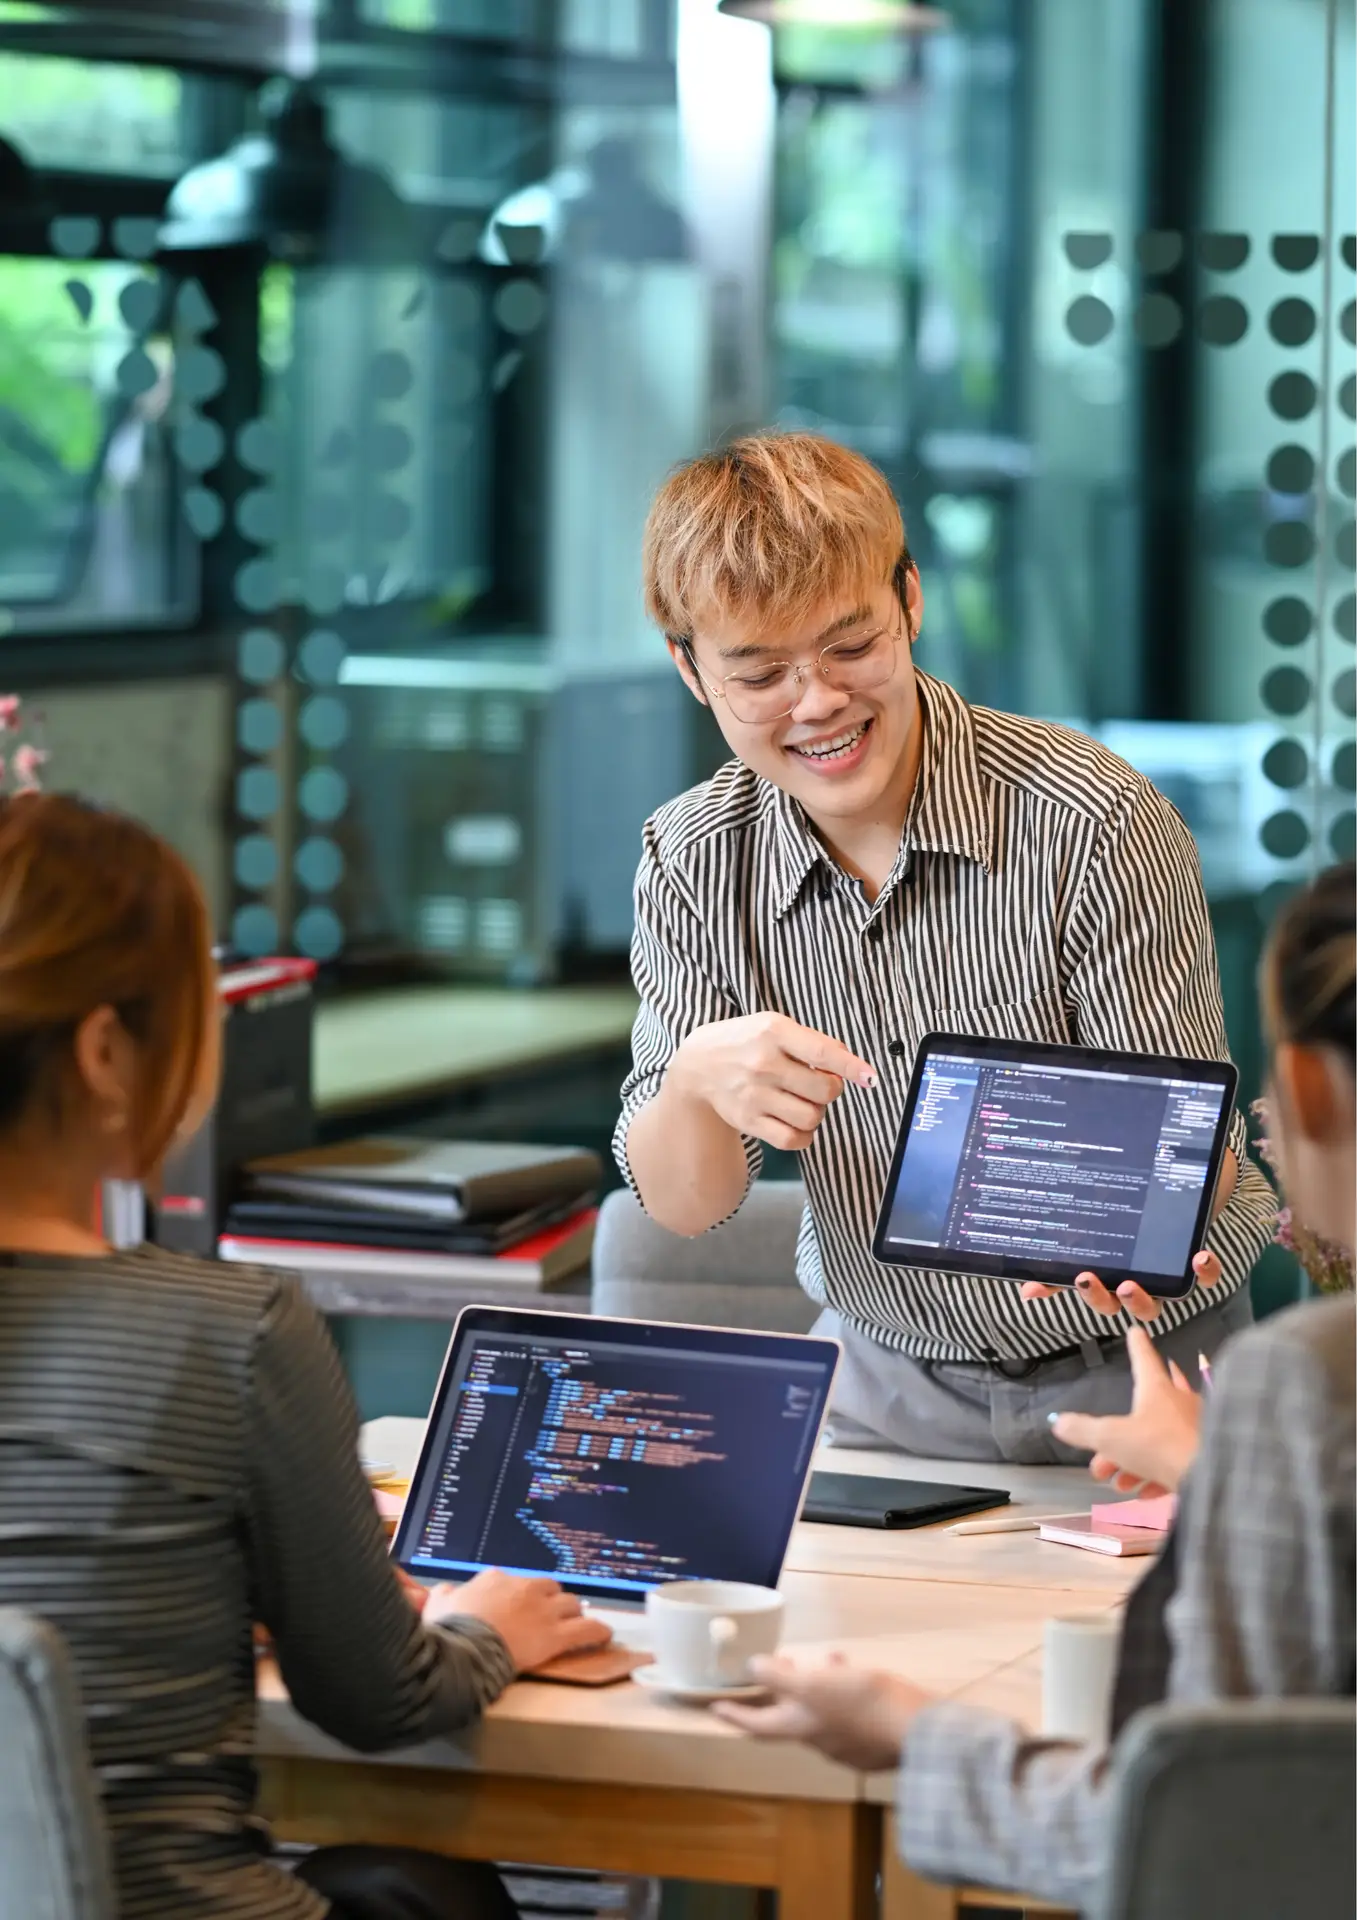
x=1044 y=890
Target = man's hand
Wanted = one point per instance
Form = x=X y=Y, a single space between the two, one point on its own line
x=1142 y=1305
x=764 y=1075
x=850 y=1714
x=1151 y=1447
x=536 y=1621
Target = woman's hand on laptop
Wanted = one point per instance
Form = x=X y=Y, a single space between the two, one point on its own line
x=536 y=1620
x=850 y=1714
x=1128 y=1297
x=767 y=1076
x=1149 y=1449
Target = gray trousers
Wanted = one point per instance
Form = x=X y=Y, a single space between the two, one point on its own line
x=968 y=1410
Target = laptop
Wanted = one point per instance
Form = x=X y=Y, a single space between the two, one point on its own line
x=614 y=1455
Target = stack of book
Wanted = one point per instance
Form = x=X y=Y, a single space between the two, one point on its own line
x=455 y=1217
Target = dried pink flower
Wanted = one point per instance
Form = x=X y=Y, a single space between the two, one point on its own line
x=9 y=712
x=1329 y=1268
x=26 y=760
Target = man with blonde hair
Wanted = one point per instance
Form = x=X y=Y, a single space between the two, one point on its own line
x=880 y=860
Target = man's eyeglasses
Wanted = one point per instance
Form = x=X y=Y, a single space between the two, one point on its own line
x=771 y=689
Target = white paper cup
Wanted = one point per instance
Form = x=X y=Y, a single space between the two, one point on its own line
x=1078 y=1673
x=704 y=1633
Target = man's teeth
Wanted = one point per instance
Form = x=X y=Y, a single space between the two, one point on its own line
x=831 y=749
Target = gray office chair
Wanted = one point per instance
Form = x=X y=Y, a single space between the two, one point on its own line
x=54 y=1862
x=1237 y=1811
x=740 y=1275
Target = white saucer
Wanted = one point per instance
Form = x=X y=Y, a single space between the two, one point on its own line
x=655 y=1682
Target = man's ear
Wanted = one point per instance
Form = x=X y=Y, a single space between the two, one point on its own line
x=678 y=653
x=914 y=604
x=1309 y=1080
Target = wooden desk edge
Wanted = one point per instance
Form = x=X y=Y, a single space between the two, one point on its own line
x=820 y=1856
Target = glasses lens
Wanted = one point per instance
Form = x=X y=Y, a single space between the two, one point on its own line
x=765 y=697
x=858 y=663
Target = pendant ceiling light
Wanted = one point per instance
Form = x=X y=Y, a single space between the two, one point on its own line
x=890 y=16
x=289 y=190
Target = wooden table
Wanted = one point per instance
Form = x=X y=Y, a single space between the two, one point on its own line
x=621 y=1781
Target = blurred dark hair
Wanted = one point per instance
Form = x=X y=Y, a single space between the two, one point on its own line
x=95 y=911
x=1310 y=965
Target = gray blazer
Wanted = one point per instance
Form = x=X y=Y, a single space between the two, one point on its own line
x=1264 y=1609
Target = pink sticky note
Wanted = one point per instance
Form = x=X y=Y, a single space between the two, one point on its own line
x=1156 y=1516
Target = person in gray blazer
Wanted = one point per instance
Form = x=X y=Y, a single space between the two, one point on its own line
x=1254 y=1594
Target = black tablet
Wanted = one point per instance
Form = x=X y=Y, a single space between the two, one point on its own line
x=864 y=1500
x=1034 y=1162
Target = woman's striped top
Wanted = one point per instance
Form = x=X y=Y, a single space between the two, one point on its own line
x=178 y=1460
x=1044 y=890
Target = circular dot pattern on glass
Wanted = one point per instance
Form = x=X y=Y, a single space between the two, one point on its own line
x=258 y=516
x=257 y=792
x=390 y=447
x=327 y=515
x=1285 y=835
x=1295 y=252
x=1292 y=396
x=1343 y=836
x=135 y=236
x=193 y=311
x=254 y=931
x=390 y=374
x=323 y=591
x=1347 y=322
x=1286 y=763
x=75 y=236
x=1159 y=250
x=323 y=793
x=1222 y=320
x=1345 y=618
x=319 y=864
x=138 y=303
x=1292 y=322
x=259 y=726
x=256 y=861
x=1344 y=769
x=1288 y=622
x=198 y=443
x=318 y=933
x=258 y=586
x=1345 y=544
x=324 y=722
x=1158 y=320
x=458 y=240
x=389 y=517
x=321 y=657
x=1346 y=472
x=136 y=373
x=81 y=298
x=1345 y=693
x=257 y=446
x=1288 y=543
x=1291 y=470
x=204 y=512
x=1347 y=396
x=199 y=373
x=338 y=449
x=1286 y=690
x=1088 y=320
x=520 y=306
x=1223 y=252
x=260 y=656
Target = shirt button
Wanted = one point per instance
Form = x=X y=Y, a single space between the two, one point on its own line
x=896 y=1049
x=875 y=932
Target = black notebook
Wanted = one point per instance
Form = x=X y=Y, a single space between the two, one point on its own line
x=352 y=1227
x=865 y=1500
x=442 y=1180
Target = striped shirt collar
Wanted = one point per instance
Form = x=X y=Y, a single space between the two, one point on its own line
x=950 y=813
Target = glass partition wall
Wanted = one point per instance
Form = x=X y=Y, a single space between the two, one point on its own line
x=364 y=477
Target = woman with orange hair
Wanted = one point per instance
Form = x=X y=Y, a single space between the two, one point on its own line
x=177 y=1444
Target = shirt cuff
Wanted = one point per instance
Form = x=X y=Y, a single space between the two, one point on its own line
x=482 y=1647
x=642 y=1096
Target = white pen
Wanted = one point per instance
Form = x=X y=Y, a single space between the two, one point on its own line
x=1012 y=1523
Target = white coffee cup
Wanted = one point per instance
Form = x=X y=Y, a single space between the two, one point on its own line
x=704 y=1633
x=1078 y=1673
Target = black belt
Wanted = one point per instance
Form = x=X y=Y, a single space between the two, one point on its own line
x=1094 y=1352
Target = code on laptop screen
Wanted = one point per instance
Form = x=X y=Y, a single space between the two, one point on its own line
x=1046 y=1162
x=615 y=1466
